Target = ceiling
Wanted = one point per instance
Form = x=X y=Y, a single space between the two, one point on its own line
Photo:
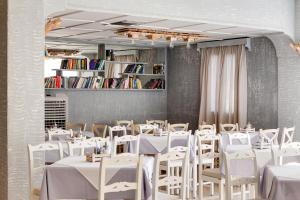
x=84 y=30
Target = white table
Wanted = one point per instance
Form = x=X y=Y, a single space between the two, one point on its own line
x=151 y=145
x=75 y=178
x=281 y=182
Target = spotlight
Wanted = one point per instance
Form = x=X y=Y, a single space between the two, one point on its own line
x=188 y=45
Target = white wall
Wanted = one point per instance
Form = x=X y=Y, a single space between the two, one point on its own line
x=270 y=14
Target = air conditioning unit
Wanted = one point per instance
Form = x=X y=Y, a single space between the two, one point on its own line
x=56 y=111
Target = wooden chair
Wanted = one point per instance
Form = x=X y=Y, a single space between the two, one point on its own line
x=126 y=139
x=178 y=127
x=59 y=132
x=268 y=138
x=121 y=162
x=170 y=181
x=147 y=128
x=76 y=126
x=204 y=132
x=174 y=167
x=32 y=150
x=236 y=180
x=208 y=127
x=160 y=123
x=128 y=124
x=99 y=130
x=287 y=136
x=229 y=127
x=288 y=150
x=247 y=130
x=116 y=131
x=203 y=145
x=81 y=145
x=242 y=138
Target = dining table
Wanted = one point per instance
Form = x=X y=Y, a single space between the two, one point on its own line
x=75 y=178
x=153 y=144
x=281 y=182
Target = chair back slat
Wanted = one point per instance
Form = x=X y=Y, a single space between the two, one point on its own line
x=178 y=127
x=125 y=140
x=229 y=127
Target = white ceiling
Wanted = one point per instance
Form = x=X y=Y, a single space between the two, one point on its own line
x=91 y=28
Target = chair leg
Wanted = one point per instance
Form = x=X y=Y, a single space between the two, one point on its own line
x=177 y=174
x=256 y=192
x=228 y=192
x=195 y=172
x=212 y=189
x=201 y=189
x=243 y=193
x=221 y=190
x=188 y=183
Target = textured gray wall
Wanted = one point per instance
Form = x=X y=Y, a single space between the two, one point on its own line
x=288 y=83
x=25 y=92
x=184 y=79
x=109 y=106
x=262 y=84
x=183 y=85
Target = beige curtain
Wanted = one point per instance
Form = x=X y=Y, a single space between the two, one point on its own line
x=112 y=70
x=223 y=85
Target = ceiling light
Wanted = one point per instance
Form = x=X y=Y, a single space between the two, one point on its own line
x=188 y=45
x=153 y=35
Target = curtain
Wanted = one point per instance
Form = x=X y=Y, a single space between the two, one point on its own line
x=112 y=70
x=223 y=85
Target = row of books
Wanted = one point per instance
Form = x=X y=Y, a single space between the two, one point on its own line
x=134 y=68
x=155 y=84
x=98 y=82
x=97 y=64
x=74 y=63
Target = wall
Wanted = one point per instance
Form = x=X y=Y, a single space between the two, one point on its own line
x=109 y=106
x=184 y=79
x=262 y=84
x=183 y=85
x=22 y=92
x=288 y=83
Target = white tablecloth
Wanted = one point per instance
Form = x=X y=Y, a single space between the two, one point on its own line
x=281 y=182
x=74 y=178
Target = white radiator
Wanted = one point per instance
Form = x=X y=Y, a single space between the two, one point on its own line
x=56 y=111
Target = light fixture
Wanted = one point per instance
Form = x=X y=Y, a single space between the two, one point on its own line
x=153 y=35
x=188 y=45
x=132 y=41
x=296 y=47
x=152 y=42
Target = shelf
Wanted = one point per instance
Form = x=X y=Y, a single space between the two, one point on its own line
x=120 y=62
x=79 y=70
x=137 y=74
x=103 y=89
x=67 y=57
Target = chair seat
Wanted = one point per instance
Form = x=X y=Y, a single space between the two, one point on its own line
x=213 y=172
x=165 y=196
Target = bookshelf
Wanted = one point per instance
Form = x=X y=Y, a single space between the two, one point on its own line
x=137 y=76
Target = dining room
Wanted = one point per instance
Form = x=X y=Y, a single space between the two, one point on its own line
x=114 y=100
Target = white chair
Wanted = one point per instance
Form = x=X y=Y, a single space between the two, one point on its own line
x=116 y=131
x=32 y=150
x=242 y=138
x=170 y=181
x=80 y=145
x=204 y=132
x=204 y=156
x=128 y=124
x=247 y=130
x=287 y=136
x=208 y=127
x=121 y=162
x=99 y=130
x=160 y=123
x=268 y=138
x=237 y=180
x=56 y=132
x=288 y=150
x=126 y=139
x=178 y=127
x=229 y=127
x=178 y=141
x=147 y=128
x=76 y=126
